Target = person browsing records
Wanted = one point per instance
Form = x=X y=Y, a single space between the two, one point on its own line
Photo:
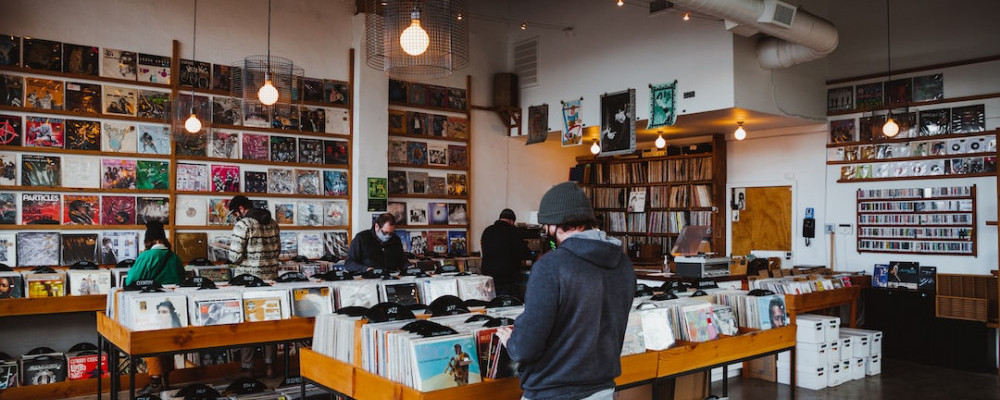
x=378 y=247
x=568 y=341
x=160 y=264
x=503 y=250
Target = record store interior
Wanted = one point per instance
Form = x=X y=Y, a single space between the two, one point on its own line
x=252 y=199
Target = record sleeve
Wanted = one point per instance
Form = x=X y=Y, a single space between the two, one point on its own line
x=37 y=249
x=840 y=99
x=11 y=130
x=415 y=122
x=456 y=185
x=335 y=244
x=311 y=245
x=437 y=185
x=77 y=247
x=335 y=152
x=152 y=209
x=83 y=135
x=215 y=307
x=285 y=116
x=870 y=128
x=934 y=122
x=397 y=182
x=436 y=125
x=307 y=181
x=265 y=305
x=458 y=156
x=225 y=178
x=227 y=111
x=256 y=147
x=89 y=282
x=255 y=181
x=80 y=59
x=457 y=214
x=437 y=241
x=153 y=69
x=40 y=170
x=153 y=139
x=81 y=172
x=397 y=122
x=192 y=245
x=191 y=144
x=119 y=245
x=118 y=173
x=42 y=54
x=83 y=97
x=44 y=132
x=119 y=137
x=437 y=96
x=81 y=209
x=222 y=77
x=968 y=119
x=284 y=213
x=152 y=175
x=289 y=246
x=397 y=152
x=42 y=369
x=457 y=128
x=458 y=243
x=281 y=180
x=14 y=288
x=436 y=365
x=928 y=87
x=335 y=213
x=218 y=212
x=457 y=99
x=219 y=243
x=418 y=213
x=118 y=210
x=335 y=183
x=338 y=121
x=336 y=92
x=11 y=90
x=476 y=287
x=195 y=74
x=8 y=209
x=312 y=119
x=10 y=56
x=417 y=182
x=153 y=104
x=312 y=90
x=40 y=208
x=310 y=151
x=899 y=92
x=120 y=100
x=152 y=311
x=118 y=64
x=256 y=114
x=868 y=96
x=397 y=91
x=311 y=301
x=192 y=177
x=418 y=242
x=402 y=292
x=283 y=149
x=398 y=211
x=310 y=213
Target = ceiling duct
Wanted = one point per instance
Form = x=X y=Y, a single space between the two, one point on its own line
x=796 y=36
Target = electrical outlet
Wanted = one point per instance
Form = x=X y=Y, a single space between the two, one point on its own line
x=830 y=228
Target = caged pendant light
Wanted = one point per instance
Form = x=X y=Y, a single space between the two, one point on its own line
x=417 y=39
x=265 y=79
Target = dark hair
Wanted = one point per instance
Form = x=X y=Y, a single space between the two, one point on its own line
x=386 y=217
x=776 y=302
x=164 y=241
x=578 y=222
x=175 y=319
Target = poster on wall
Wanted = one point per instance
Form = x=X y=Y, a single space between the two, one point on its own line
x=573 y=135
x=662 y=104
x=618 y=123
x=378 y=194
x=538 y=124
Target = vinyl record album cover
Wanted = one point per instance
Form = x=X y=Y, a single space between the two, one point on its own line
x=618 y=123
x=83 y=135
x=335 y=213
x=311 y=301
x=192 y=177
x=311 y=245
x=118 y=64
x=458 y=156
x=153 y=69
x=118 y=173
x=870 y=128
x=456 y=185
x=83 y=97
x=457 y=99
x=335 y=152
x=81 y=172
x=457 y=127
x=898 y=92
x=398 y=211
x=307 y=181
x=222 y=77
x=418 y=213
x=118 y=210
x=42 y=54
x=968 y=119
x=436 y=125
x=928 y=87
x=289 y=246
x=119 y=245
x=842 y=131
x=934 y=122
x=438 y=213
x=868 y=96
x=256 y=147
x=152 y=209
x=120 y=100
x=397 y=122
x=10 y=56
x=280 y=180
x=284 y=213
x=81 y=209
x=458 y=243
x=415 y=123
x=335 y=243
x=312 y=89
x=40 y=170
x=416 y=153
x=227 y=111
x=310 y=213
x=283 y=149
x=255 y=181
x=37 y=249
x=437 y=96
x=119 y=137
x=335 y=183
x=44 y=132
x=310 y=151
x=218 y=212
x=153 y=139
x=312 y=119
x=336 y=92
x=78 y=247
x=8 y=169
x=417 y=182
x=11 y=90
x=152 y=175
x=11 y=130
x=225 y=178
x=41 y=208
x=195 y=74
x=8 y=208
x=840 y=99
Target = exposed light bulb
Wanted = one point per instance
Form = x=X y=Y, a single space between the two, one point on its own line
x=660 y=143
x=267 y=94
x=740 y=133
x=460 y=16
x=595 y=148
x=621 y=3
x=192 y=124
x=524 y=26
x=687 y=16
x=891 y=128
x=414 y=39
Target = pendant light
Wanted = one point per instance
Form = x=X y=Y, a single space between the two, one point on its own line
x=595 y=148
x=660 y=143
x=268 y=94
x=414 y=39
x=193 y=124
x=740 y=133
x=891 y=128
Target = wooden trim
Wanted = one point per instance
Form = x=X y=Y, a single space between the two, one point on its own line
x=64 y=227
x=916 y=104
x=282 y=164
x=282 y=226
x=691 y=356
x=82 y=77
x=82 y=115
x=425 y=166
x=326 y=371
x=918 y=69
x=45 y=150
x=935 y=157
x=280 y=132
x=428 y=196
x=905 y=178
x=399 y=105
x=77 y=190
x=586 y=159
x=428 y=137
x=68 y=389
x=913 y=139
x=52 y=305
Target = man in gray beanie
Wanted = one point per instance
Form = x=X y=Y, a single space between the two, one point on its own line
x=568 y=341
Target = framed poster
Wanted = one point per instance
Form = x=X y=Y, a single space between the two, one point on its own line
x=618 y=123
x=378 y=194
x=538 y=123
x=662 y=105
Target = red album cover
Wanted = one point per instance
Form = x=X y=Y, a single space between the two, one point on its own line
x=40 y=208
x=81 y=210
x=118 y=210
x=44 y=132
x=225 y=178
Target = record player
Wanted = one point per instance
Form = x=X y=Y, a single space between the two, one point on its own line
x=690 y=257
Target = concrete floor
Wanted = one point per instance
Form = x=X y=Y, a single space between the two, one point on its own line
x=899 y=380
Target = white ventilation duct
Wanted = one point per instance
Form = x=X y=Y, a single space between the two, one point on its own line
x=807 y=38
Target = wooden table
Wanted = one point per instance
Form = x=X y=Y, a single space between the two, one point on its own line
x=802 y=303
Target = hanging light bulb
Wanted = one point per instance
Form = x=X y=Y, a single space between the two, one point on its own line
x=414 y=39
x=660 y=143
x=267 y=94
x=595 y=148
x=687 y=16
x=891 y=128
x=460 y=16
x=740 y=133
x=621 y=3
x=524 y=26
x=192 y=124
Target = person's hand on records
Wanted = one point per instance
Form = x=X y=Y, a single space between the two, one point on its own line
x=503 y=333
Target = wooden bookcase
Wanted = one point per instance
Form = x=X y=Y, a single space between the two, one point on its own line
x=683 y=189
x=430 y=142
x=939 y=220
x=178 y=96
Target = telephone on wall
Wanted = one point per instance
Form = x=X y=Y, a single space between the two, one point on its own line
x=809 y=226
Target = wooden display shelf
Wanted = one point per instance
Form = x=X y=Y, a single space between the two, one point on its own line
x=83 y=115
x=83 y=77
x=267 y=195
x=327 y=371
x=671 y=183
x=802 y=303
x=423 y=107
x=62 y=189
x=910 y=139
x=67 y=389
x=638 y=368
x=991 y=223
x=263 y=162
x=53 y=305
x=911 y=158
x=914 y=103
x=279 y=132
x=691 y=356
x=202 y=337
x=428 y=166
x=48 y=150
x=906 y=178
x=583 y=159
x=429 y=137
x=282 y=226
x=426 y=196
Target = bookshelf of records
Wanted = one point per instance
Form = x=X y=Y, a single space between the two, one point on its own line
x=930 y=220
x=934 y=140
x=92 y=149
x=648 y=200
x=429 y=141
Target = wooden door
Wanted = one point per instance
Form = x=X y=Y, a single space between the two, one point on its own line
x=765 y=222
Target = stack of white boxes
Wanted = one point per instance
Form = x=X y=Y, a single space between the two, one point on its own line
x=827 y=356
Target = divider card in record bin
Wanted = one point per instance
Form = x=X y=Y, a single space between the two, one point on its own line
x=445 y=362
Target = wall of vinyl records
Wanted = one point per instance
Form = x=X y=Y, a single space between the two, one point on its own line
x=89 y=141
x=934 y=220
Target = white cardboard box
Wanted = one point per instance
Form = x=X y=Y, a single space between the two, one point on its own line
x=859 y=343
x=859 y=365
x=810 y=330
x=874 y=338
x=832 y=330
x=814 y=379
x=833 y=376
x=810 y=355
x=833 y=352
x=873 y=365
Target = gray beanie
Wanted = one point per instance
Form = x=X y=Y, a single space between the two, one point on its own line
x=564 y=202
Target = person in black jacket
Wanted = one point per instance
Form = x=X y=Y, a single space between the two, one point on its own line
x=378 y=247
x=503 y=251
